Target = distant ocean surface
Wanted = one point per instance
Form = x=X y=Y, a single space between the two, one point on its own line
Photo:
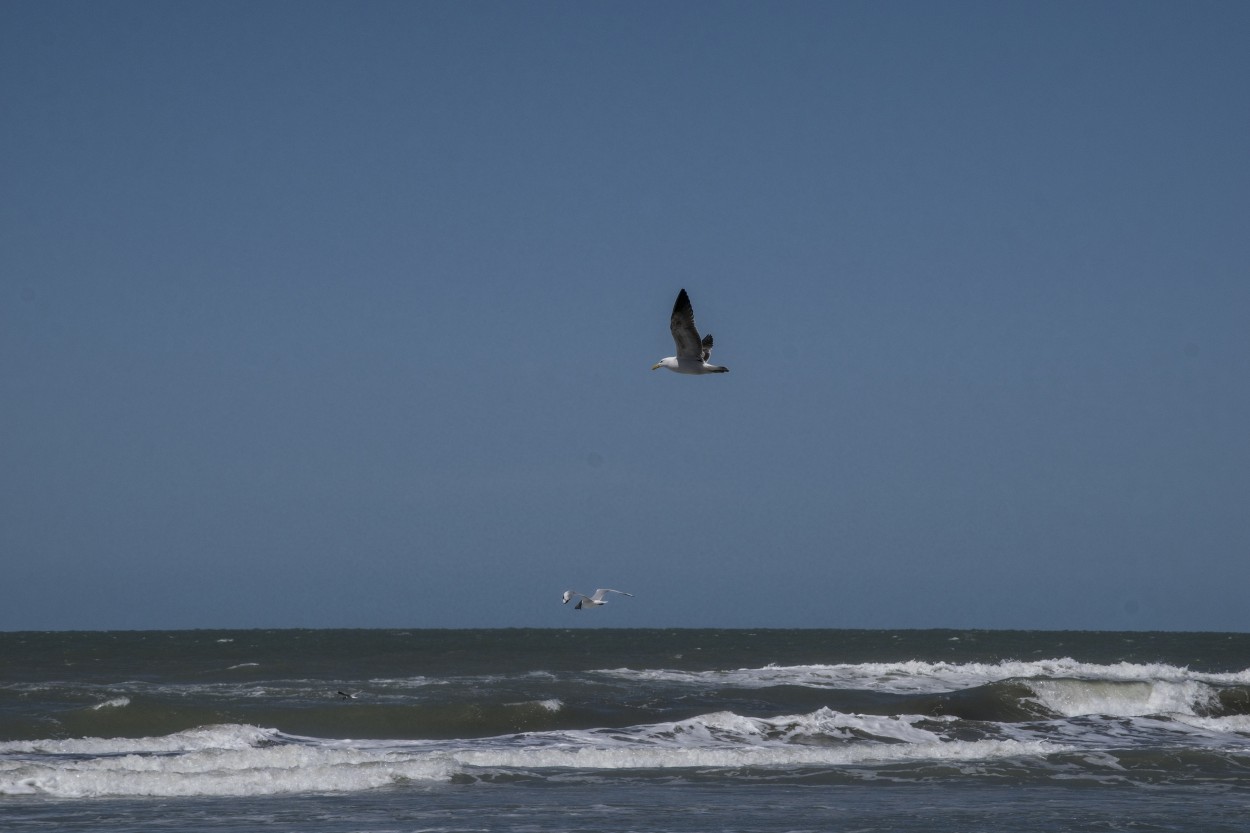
x=624 y=730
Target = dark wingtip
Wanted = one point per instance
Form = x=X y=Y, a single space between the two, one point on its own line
x=682 y=302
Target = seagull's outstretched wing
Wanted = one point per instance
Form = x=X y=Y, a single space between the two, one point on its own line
x=598 y=595
x=685 y=335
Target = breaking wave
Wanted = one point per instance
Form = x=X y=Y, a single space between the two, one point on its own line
x=905 y=720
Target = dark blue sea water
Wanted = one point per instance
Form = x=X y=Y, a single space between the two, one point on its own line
x=655 y=730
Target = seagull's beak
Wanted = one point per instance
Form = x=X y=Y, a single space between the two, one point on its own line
x=657 y=365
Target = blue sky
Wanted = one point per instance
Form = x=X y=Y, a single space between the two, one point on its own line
x=342 y=314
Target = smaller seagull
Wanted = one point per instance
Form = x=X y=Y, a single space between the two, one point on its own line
x=692 y=352
x=596 y=600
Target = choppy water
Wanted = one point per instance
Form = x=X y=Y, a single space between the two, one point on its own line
x=680 y=730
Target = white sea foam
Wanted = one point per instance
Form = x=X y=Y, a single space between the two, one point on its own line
x=115 y=703
x=262 y=772
x=245 y=760
x=728 y=755
x=551 y=705
x=227 y=736
x=915 y=676
x=1236 y=724
x=824 y=723
x=408 y=682
x=214 y=760
x=725 y=739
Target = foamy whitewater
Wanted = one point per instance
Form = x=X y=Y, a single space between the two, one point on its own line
x=433 y=724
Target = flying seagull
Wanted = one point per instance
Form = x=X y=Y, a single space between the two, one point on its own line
x=692 y=353
x=596 y=600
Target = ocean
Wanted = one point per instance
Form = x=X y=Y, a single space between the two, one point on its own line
x=348 y=731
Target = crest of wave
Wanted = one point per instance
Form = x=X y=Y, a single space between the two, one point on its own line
x=223 y=736
x=724 y=739
x=1123 y=698
x=216 y=760
x=916 y=676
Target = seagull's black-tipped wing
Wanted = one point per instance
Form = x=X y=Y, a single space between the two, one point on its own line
x=685 y=335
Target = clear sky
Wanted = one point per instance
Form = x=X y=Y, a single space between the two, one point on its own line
x=342 y=314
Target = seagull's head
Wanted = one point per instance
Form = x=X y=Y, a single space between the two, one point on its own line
x=670 y=363
x=568 y=594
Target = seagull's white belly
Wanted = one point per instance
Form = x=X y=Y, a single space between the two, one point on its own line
x=689 y=366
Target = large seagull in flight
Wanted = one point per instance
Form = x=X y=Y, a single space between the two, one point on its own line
x=692 y=353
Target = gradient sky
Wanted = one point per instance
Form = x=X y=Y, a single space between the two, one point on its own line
x=342 y=314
